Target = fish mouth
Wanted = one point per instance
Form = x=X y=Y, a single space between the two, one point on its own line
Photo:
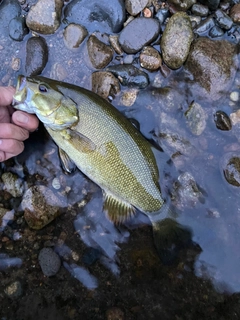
x=23 y=96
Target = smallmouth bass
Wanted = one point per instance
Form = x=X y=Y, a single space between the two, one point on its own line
x=96 y=138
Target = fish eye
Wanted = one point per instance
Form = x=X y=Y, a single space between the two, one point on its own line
x=42 y=88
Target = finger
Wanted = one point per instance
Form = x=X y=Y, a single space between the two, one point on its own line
x=25 y=120
x=6 y=155
x=6 y=96
x=11 y=131
x=4 y=115
x=11 y=146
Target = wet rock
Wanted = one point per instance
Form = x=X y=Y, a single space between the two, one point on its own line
x=230 y=166
x=139 y=33
x=16 y=64
x=129 y=75
x=182 y=5
x=216 y=32
x=44 y=17
x=223 y=19
x=9 y=9
x=12 y=184
x=49 y=261
x=196 y=118
x=222 y=121
x=213 y=65
x=133 y=7
x=37 y=56
x=18 y=29
x=41 y=206
x=58 y=72
x=115 y=314
x=150 y=59
x=234 y=96
x=162 y=15
x=73 y=35
x=200 y=10
x=235 y=13
x=105 y=84
x=104 y=16
x=129 y=97
x=176 y=40
x=115 y=44
x=13 y=290
x=100 y=54
x=235 y=117
x=205 y=25
x=211 y=4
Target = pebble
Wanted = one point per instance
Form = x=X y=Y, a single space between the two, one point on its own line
x=56 y=184
x=176 y=40
x=211 y=4
x=223 y=19
x=138 y=33
x=205 y=25
x=100 y=54
x=200 y=10
x=162 y=15
x=13 y=290
x=230 y=165
x=13 y=184
x=44 y=17
x=129 y=97
x=234 y=96
x=16 y=64
x=216 y=32
x=104 y=16
x=182 y=5
x=36 y=56
x=58 y=72
x=235 y=117
x=134 y=7
x=105 y=84
x=235 y=13
x=113 y=39
x=73 y=35
x=150 y=58
x=18 y=28
x=196 y=118
x=49 y=261
x=222 y=121
x=129 y=75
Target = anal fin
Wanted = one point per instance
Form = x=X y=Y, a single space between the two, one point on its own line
x=117 y=209
x=67 y=164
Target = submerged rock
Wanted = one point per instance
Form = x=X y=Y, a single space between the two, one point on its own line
x=150 y=58
x=213 y=65
x=139 y=33
x=105 y=84
x=104 y=16
x=9 y=9
x=196 y=118
x=37 y=56
x=18 y=29
x=222 y=121
x=49 y=261
x=230 y=166
x=73 y=35
x=44 y=17
x=100 y=54
x=176 y=40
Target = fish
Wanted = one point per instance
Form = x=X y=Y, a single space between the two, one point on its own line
x=102 y=143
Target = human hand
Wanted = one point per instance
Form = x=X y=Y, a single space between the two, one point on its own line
x=14 y=125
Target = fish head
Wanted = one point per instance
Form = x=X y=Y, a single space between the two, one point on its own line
x=39 y=95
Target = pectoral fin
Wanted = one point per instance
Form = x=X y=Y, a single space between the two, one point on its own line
x=79 y=141
x=117 y=209
x=67 y=164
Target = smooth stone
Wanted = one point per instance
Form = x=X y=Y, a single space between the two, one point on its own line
x=176 y=40
x=58 y=72
x=37 y=56
x=196 y=118
x=162 y=14
x=73 y=35
x=104 y=16
x=150 y=59
x=200 y=10
x=49 y=261
x=213 y=65
x=211 y=4
x=9 y=9
x=205 y=25
x=18 y=28
x=230 y=166
x=182 y=5
x=100 y=54
x=12 y=184
x=105 y=84
x=216 y=32
x=129 y=75
x=134 y=7
x=235 y=13
x=222 y=121
x=138 y=33
x=113 y=39
x=44 y=17
x=223 y=19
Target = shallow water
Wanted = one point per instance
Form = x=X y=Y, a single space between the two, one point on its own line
x=124 y=271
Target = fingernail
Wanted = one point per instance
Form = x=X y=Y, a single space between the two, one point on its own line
x=22 y=118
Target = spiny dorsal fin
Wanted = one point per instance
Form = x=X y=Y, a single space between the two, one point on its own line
x=67 y=164
x=117 y=209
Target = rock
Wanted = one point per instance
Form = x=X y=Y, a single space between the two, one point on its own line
x=182 y=5
x=213 y=65
x=18 y=29
x=41 y=206
x=200 y=10
x=100 y=54
x=115 y=44
x=196 y=118
x=139 y=33
x=129 y=75
x=37 y=56
x=205 y=25
x=16 y=64
x=222 y=121
x=230 y=167
x=223 y=19
x=73 y=35
x=150 y=59
x=211 y=4
x=58 y=72
x=49 y=261
x=176 y=40
x=104 y=16
x=9 y=9
x=162 y=15
x=133 y=7
x=105 y=84
x=235 y=13
x=13 y=184
x=44 y=17
x=115 y=313
x=216 y=32
x=129 y=97
x=13 y=290
x=235 y=117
